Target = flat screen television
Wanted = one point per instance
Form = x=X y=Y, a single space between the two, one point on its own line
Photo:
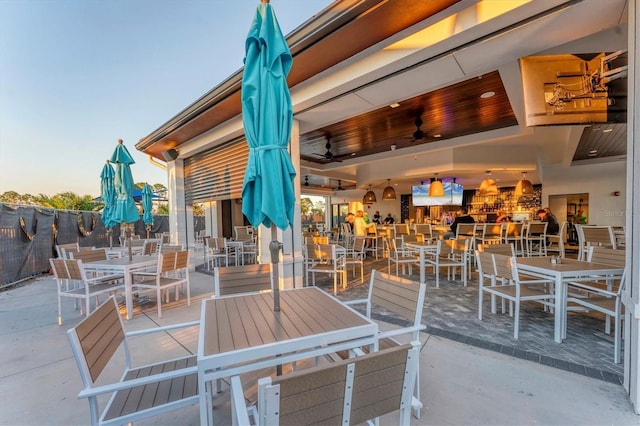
x=452 y=195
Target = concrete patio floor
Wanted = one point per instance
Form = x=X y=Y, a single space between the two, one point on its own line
x=460 y=384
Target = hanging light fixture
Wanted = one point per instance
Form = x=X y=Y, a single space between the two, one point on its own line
x=436 y=189
x=369 y=197
x=488 y=186
x=389 y=193
x=524 y=187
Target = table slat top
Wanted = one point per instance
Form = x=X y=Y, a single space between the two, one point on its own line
x=566 y=265
x=234 y=323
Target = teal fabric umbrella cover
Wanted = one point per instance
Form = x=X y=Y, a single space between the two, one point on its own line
x=147 y=204
x=125 y=207
x=267 y=193
x=108 y=195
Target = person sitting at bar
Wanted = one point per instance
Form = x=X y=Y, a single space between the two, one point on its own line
x=463 y=217
x=389 y=220
x=502 y=216
x=376 y=218
x=545 y=215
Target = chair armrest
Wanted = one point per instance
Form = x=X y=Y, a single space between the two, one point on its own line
x=398 y=331
x=592 y=289
x=355 y=301
x=164 y=328
x=127 y=384
x=149 y=274
x=239 y=410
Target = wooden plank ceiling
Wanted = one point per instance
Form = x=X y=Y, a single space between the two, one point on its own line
x=450 y=112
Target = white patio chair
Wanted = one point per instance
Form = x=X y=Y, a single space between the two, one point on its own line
x=327 y=259
x=426 y=231
x=352 y=391
x=401 y=256
x=172 y=272
x=233 y=280
x=557 y=242
x=141 y=392
x=607 y=302
x=62 y=248
x=592 y=235
x=151 y=246
x=450 y=254
x=511 y=288
x=356 y=256
x=72 y=282
x=513 y=233
x=401 y=297
x=535 y=238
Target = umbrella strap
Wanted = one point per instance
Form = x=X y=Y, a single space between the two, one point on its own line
x=268 y=147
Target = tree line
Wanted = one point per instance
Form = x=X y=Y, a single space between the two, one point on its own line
x=71 y=201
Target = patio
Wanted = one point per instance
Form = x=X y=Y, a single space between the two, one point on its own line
x=463 y=359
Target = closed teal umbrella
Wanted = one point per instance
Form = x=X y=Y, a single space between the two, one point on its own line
x=147 y=205
x=108 y=195
x=268 y=196
x=125 y=207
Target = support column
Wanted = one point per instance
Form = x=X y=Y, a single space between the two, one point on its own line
x=178 y=211
x=631 y=296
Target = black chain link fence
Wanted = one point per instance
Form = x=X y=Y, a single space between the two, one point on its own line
x=28 y=236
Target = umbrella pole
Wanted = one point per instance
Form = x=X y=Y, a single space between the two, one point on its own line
x=274 y=247
x=127 y=233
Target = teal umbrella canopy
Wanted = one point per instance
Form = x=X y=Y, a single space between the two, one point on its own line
x=267 y=193
x=108 y=195
x=125 y=207
x=147 y=204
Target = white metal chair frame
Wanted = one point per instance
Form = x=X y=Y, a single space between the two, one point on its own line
x=400 y=256
x=451 y=254
x=513 y=233
x=535 y=238
x=426 y=231
x=172 y=272
x=94 y=343
x=402 y=297
x=356 y=256
x=72 y=282
x=326 y=259
x=351 y=391
x=243 y=279
x=557 y=242
x=513 y=289
x=601 y=297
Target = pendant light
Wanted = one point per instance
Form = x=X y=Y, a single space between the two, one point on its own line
x=369 y=197
x=524 y=187
x=436 y=189
x=488 y=186
x=389 y=193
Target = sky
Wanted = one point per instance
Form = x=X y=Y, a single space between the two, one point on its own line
x=77 y=75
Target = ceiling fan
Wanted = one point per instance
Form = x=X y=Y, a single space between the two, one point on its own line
x=329 y=155
x=418 y=134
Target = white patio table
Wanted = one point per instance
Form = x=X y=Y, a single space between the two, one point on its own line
x=567 y=270
x=243 y=333
x=422 y=249
x=124 y=266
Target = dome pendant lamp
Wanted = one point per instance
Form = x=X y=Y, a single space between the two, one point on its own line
x=488 y=186
x=436 y=189
x=389 y=193
x=524 y=187
x=369 y=197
